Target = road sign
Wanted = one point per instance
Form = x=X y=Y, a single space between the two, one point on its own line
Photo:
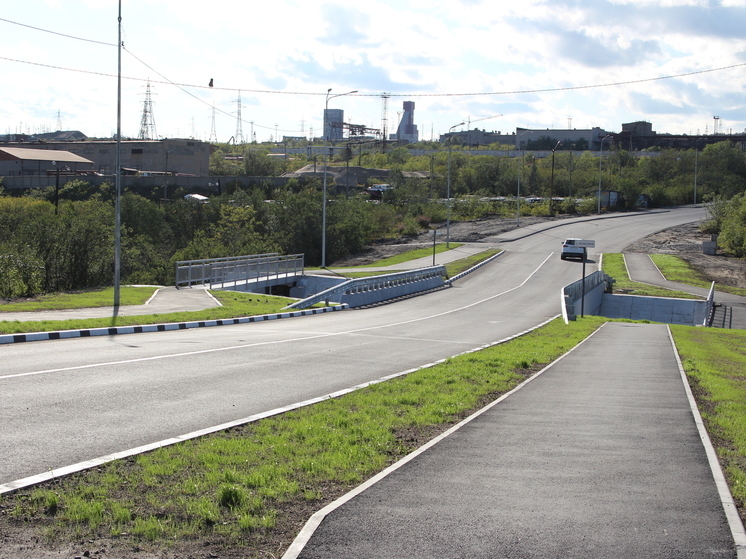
x=585 y=243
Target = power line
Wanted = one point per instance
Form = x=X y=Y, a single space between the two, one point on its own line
x=166 y=81
x=57 y=33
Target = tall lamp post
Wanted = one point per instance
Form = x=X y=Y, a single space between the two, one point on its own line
x=600 y=159
x=696 y=155
x=551 y=183
x=323 y=207
x=118 y=171
x=448 y=188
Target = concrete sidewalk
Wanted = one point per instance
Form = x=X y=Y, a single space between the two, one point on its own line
x=165 y=300
x=642 y=269
x=597 y=457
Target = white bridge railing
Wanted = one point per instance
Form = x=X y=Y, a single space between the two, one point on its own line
x=223 y=273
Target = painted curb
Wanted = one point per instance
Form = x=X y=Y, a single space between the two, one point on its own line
x=116 y=330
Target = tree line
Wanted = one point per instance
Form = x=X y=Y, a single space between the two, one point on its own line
x=50 y=244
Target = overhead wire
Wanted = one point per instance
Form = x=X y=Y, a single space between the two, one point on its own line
x=182 y=86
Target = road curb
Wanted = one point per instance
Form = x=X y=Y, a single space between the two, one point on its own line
x=116 y=330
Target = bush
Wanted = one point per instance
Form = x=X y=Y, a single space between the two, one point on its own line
x=732 y=237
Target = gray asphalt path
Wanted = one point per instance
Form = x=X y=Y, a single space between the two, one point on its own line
x=166 y=300
x=598 y=457
x=641 y=268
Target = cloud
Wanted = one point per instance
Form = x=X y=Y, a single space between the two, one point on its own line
x=605 y=52
x=360 y=75
x=346 y=26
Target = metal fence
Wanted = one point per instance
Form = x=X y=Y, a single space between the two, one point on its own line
x=222 y=273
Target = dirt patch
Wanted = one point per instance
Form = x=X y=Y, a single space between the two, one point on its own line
x=685 y=241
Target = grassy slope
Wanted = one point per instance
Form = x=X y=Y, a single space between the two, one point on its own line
x=614 y=265
x=674 y=268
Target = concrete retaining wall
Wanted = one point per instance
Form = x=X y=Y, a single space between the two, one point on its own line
x=657 y=309
x=310 y=285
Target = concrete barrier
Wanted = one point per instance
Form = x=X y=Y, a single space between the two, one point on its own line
x=687 y=312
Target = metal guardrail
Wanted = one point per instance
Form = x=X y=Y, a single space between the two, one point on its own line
x=374 y=283
x=219 y=272
x=710 y=313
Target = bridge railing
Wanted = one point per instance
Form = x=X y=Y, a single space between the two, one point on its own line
x=226 y=275
x=218 y=270
x=363 y=291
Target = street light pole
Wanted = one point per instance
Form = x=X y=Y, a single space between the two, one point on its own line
x=448 y=188
x=696 y=154
x=323 y=207
x=118 y=172
x=600 y=159
x=551 y=183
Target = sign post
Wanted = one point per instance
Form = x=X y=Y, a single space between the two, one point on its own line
x=586 y=244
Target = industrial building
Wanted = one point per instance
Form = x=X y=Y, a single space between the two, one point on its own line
x=26 y=162
x=407 y=131
x=182 y=157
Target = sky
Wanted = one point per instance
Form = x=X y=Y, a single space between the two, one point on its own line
x=489 y=64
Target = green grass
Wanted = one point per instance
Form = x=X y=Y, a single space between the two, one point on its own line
x=236 y=485
x=458 y=266
x=676 y=269
x=614 y=265
x=715 y=363
x=128 y=295
x=235 y=304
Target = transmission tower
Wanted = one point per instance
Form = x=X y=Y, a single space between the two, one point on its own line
x=239 y=122
x=147 y=121
x=59 y=121
x=213 y=135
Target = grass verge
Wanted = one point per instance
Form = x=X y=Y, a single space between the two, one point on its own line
x=128 y=295
x=715 y=363
x=614 y=265
x=674 y=268
x=235 y=304
x=252 y=488
x=458 y=266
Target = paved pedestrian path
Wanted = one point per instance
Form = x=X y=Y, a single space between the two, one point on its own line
x=597 y=457
x=642 y=269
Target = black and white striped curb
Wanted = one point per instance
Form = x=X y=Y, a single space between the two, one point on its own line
x=112 y=331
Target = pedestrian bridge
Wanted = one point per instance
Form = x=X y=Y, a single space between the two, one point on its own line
x=256 y=273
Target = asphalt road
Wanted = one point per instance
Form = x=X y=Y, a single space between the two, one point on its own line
x=67 y=401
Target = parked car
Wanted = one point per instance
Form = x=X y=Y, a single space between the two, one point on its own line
x=569 y=250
